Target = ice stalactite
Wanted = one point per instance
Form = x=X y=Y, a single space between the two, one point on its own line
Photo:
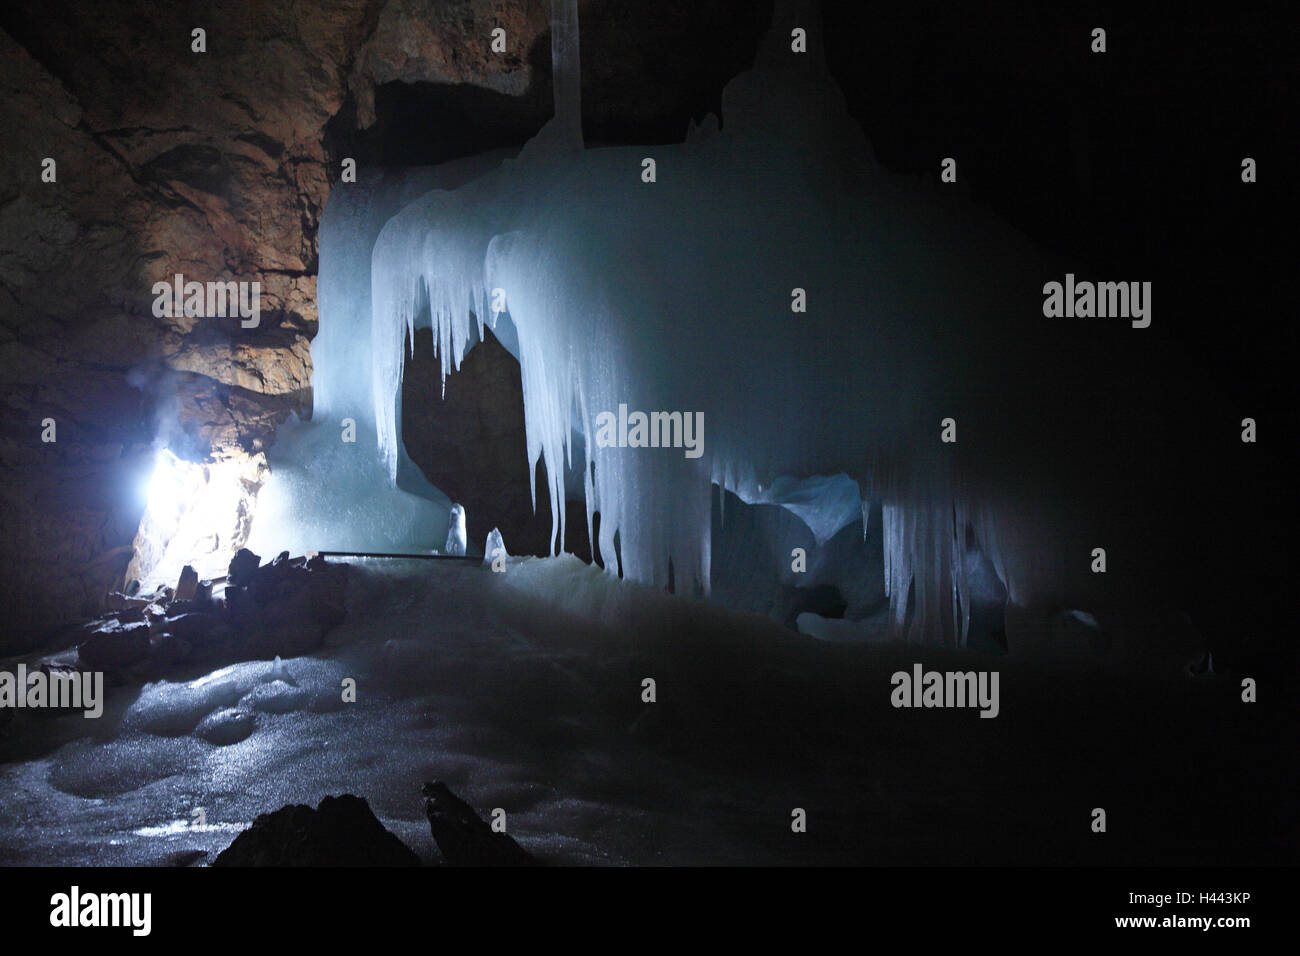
x=566 y=65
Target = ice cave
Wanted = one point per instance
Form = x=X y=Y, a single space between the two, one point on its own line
x=641 y=485
x=615 y=289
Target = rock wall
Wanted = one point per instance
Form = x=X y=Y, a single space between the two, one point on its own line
x=167 y=161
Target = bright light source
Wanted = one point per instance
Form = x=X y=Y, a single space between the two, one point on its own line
x=167 y=484
x=196 y=513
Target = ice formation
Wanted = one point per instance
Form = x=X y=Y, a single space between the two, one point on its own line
x=456 y=535
x=494 y=548
x=677 y=294
x=328 y=490
x=826 y=317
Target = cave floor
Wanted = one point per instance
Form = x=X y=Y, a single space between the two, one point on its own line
x=535 y=706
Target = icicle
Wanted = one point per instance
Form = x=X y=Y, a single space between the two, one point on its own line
x=566 y=71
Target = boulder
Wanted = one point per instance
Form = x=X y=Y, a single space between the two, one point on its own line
x=188 y=584
x=463 y=838
x=341 y=831
x=114 y=645
x=243 y=568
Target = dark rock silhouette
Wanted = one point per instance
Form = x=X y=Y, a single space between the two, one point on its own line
x=463 y=838
x=283 y=608
x=342 y=831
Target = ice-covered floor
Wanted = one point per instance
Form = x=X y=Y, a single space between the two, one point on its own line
x=469 y=677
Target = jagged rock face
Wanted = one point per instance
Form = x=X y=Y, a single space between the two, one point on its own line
x=216 y=166
x=412 y=42
x=168 y=162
